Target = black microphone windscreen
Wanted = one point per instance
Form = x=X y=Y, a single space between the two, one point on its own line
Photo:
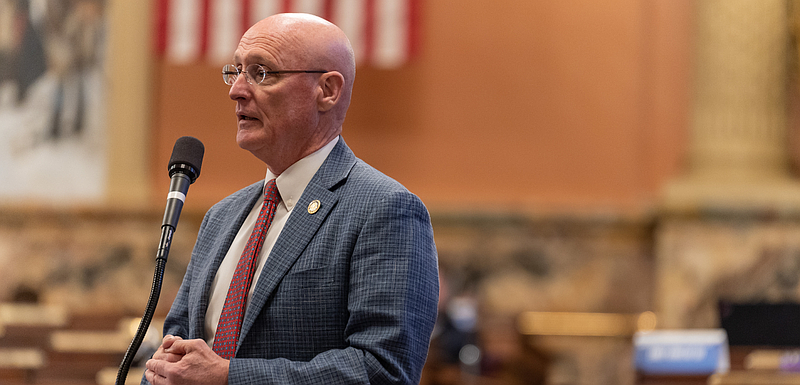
x=189 y=151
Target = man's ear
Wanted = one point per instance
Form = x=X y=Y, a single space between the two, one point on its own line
x=331 y=86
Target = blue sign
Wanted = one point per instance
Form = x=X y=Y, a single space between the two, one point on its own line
x=677 y=352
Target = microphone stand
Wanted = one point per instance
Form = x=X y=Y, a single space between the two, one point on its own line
x=155 y=291
x=184 y=168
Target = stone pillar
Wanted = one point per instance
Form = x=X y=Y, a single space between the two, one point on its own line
x=729 y=228
x=738 y=155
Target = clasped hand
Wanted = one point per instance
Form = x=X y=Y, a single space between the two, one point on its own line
x=178 y=361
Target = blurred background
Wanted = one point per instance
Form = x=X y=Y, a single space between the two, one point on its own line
x=592 y=169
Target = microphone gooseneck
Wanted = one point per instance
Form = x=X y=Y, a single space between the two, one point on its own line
x=184 y=168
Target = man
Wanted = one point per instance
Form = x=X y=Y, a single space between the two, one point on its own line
x=345 y=287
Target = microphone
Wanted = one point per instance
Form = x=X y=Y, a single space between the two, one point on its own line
x=184 y=168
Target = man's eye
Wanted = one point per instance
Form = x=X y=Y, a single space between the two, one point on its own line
x=260 y=75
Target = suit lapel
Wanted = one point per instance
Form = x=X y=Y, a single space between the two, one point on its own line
x=300 y=228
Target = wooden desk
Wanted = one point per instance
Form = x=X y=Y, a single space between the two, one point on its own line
x=670 y=380
x=755 y=377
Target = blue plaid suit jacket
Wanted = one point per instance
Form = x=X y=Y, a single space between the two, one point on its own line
x=348 y=294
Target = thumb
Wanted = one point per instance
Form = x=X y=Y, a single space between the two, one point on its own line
x=169 y=340
x=181 y=346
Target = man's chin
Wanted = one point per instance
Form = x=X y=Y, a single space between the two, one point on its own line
x=256 y=145
x=247 y=140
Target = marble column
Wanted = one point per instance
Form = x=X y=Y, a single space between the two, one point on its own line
x=730 y=226
x=738 y=152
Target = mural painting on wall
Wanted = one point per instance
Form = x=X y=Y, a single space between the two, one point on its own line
x=52 y=129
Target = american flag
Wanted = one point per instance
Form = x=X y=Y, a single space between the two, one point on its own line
x=383 y=32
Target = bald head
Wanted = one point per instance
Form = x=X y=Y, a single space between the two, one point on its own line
x=301 y=106
x=312 y=38
x=306 y=41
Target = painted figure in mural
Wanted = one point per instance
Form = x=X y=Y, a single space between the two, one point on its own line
x=22 y=52
x=345 y=287
x=61 y=40
x=74 y=46
x=52 y=99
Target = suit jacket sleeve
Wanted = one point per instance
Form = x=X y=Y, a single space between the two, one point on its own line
x=392 y=297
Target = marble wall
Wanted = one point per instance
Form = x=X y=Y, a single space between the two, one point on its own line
x=89 y=261
x=493 y=267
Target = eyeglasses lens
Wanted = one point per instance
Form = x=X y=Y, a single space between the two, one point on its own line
x=254 y=74
x=229 y=74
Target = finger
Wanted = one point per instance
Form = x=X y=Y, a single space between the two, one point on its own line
x=157 y=368
x=150 y=365
x=153 y=365
x=154 y=378
x=181 y=346
x=159 y=354
x=168 y=340
x=170 y=357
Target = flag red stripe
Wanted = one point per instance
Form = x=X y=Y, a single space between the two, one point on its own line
x=327 y=10
x=369 y=29
x=246 y=19
x=161 y=20
x=414 y=26
x=205 y=21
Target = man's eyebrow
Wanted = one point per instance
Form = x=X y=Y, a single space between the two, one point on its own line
x=254 y=59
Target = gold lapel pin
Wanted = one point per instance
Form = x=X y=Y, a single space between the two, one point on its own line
x=313 y=207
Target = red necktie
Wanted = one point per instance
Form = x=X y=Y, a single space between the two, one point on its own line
x=230 y=321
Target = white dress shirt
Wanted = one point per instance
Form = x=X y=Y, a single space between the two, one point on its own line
x=291 y=184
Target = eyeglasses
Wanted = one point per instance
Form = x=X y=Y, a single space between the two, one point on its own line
x=255 y=73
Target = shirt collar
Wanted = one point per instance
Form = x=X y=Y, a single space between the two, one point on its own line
x=292 y=182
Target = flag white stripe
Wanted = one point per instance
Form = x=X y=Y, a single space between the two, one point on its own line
x=263 y=8
x=183 y=31
x=224 y=31
x=349 y=16
x=314 y=7
x=391 y=21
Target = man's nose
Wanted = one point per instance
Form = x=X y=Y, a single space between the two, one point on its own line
x=240 y=88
